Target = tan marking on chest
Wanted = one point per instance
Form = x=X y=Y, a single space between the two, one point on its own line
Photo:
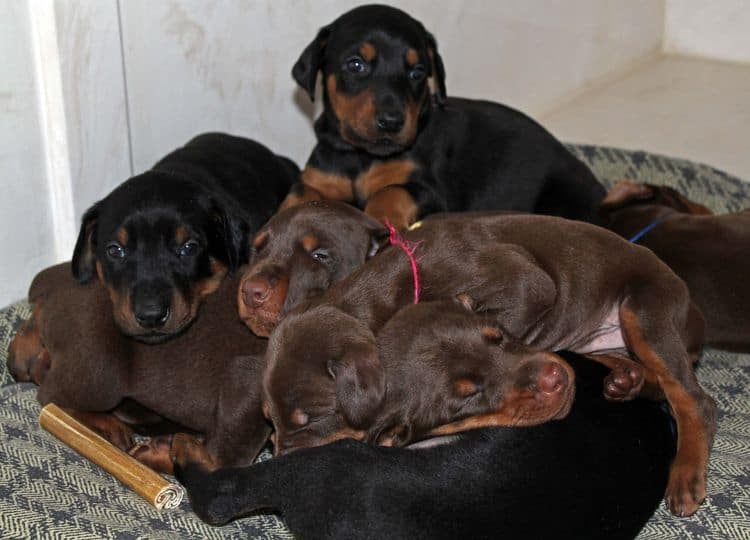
x=332 y=186
x=382 y=174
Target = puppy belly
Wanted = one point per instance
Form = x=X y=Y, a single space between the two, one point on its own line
x=606 y=338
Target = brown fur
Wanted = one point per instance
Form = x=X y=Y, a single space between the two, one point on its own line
x=709 y=252
x=550 y=282
x=284 y=270
x=465 y=380
x=207 y=379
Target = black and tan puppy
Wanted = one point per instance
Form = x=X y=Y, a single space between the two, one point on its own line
x=206 y=380
x=437 y=368
x=300 y=253
x=568 y=293
x=390 y=141
x=165 y=239
x=709 y=252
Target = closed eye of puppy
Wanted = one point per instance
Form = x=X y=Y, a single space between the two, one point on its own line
x=436 y=368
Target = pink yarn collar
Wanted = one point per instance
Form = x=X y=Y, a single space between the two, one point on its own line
x=409 y=248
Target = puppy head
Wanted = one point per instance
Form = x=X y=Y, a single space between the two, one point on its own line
x=469 y=373
x=300 y=253
x=626 y=193
x=160 y=244
x=380 y=67
x=323 y=379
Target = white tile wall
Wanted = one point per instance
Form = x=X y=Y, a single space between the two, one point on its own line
x=139 y=77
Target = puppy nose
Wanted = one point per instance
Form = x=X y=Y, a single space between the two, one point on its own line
x=551 y=377
x=255 y=292
x=152 y=315
x=391 y=121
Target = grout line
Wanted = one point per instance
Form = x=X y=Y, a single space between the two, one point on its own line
x=125 y=88
x=53 y=125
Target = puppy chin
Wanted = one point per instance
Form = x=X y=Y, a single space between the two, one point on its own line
x=378 y=145
x=151 y=337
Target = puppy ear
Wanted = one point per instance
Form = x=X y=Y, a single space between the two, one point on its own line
x=624 y=191
x=378 y=235
x=229 y=237
x=305 y=70
x=360 y=385
x=84 y=256
x=437 y=70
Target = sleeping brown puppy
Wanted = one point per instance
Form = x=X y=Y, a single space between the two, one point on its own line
x=555 y=284
x=206 y=380
x=298 y=254
x=709 y=252
x=437 y=368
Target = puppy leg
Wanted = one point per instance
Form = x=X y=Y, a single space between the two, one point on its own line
x=393 y=204
x=654 y=332
x=154 y=452
x=107 y=425
x=300 y=193
x=28 y=358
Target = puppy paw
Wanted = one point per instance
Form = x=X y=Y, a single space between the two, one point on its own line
x=623 y=383
x=190 y=450
x=154 y=453
x=686 y=489
x=28 y=359
x=108 y=426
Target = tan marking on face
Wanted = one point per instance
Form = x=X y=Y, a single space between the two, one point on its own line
x=355 y=112
x=491 y=333
x=299 y=417
x=309 y=242
x=331 y=186
x=412 y=57
x=393 y=204
x=181 y=235
x=209 y=285
x=382 y=174
x=260 y=239
x=465 y=387
x=122 y=236
x=368 y=51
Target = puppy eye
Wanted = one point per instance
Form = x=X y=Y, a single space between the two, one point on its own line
x=356 y=65
x=321 y=255
x=188 y=249
x=115 y=251
x=417 y=73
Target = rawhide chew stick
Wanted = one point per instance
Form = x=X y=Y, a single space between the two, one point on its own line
x=145 y=482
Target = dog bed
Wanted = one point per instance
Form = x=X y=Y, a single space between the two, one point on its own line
x=49 y=491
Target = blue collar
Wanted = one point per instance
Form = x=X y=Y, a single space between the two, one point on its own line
x=645 y=230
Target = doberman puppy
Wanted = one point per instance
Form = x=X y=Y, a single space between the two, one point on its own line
x=598 y=473
x=299 y=253
x=206 y=380
x=570 y=293
x=709 y=252
x=390 y=141
x=165 y=239
x=435 y=365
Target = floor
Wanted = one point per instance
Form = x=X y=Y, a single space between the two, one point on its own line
x=683 y=107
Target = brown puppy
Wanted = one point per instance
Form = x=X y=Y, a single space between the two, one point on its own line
x=206 y=379
x=438 y=368
x=555 y=284
x=709 y=252
x=299 y=253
